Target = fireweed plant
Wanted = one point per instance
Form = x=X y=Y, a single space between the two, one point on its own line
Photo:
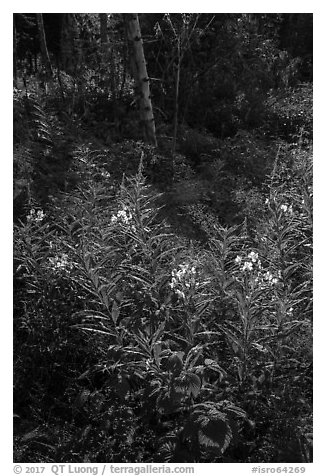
x=198 y=351
x=263 y=295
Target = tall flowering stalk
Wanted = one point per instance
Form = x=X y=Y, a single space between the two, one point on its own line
x=189 y=288
x=183 y=281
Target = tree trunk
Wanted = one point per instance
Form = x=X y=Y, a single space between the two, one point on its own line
x=108 y=68
x=44 y=50
x=14 y=52
x=141 y=78
x=71 y=53
x=104 y=48
x=108 y=59
x=104 y=32
x=176 y=104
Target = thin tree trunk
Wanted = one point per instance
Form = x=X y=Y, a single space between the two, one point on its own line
x=14 y=52
x=44 y=50
x=66 y=43
x=176 y=104
x=71 y=52
x=141 y=78
x=124 y=63
x=104 y=47
x=108 y=62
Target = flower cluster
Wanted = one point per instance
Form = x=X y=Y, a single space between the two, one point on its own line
x=60 y=263
x=35 y=216
x=105 y=174
x=252 y=264
x=183 y=279
x=268 y=278
x=287 y=209
x=123 y=216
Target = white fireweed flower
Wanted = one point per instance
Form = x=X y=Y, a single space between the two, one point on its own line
x=247 y=266
x=238 y=259
x=180 y=293
x=288 y=209
x=31 y=213
x=268 y=276
x=60 y=263
x=253 y=256
x=183 y=280
x=34 y=216
x=39 y=215
x=122 y=216
x=173 y=283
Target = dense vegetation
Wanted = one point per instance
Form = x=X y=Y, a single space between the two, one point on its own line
x=163 y=292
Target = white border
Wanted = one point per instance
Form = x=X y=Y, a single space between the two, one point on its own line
x=318 y=8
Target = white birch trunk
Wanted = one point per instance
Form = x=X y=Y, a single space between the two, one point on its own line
x=141 y=78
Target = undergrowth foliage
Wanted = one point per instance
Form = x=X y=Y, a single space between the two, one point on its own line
x=178 y=352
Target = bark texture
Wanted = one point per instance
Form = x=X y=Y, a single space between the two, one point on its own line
x=14 y=51
x=139 y=71
x=71 y=54
x=44 y=49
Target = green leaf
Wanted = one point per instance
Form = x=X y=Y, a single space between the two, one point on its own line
x=194 y=384
x=157 y=349
x=201 y=309
x=213 y=365
x=214 y=431
x=175 y=363
x=115 y=312
x=104 y=298
x=119 y=296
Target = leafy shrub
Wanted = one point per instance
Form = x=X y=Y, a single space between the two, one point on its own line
x=290 y=113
